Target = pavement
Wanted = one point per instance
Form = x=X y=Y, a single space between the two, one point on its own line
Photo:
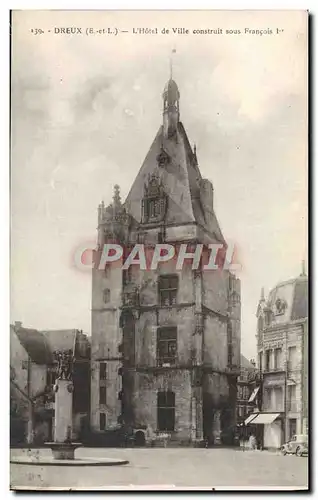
x=167 y=468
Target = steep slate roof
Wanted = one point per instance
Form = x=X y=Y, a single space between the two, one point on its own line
x=295 y=293
x=181 y=180
x=60 y=340
x=245 y=363
x=300 y=303
x=35 y=343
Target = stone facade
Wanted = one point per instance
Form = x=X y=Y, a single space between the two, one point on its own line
x=29 y=359
x=166 y=341
x=282 y=340
x=247 y=382
x=32 y=377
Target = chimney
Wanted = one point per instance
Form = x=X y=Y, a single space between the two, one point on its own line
x=17 y=324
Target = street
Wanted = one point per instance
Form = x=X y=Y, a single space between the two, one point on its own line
x=168 y=467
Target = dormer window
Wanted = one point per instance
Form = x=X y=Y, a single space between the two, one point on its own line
x=163 y=158
x=280 y=306
x=153 y=208
x=154 y=201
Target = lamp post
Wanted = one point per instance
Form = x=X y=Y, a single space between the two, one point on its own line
x=285 y=403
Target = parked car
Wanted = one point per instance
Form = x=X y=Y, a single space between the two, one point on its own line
x=298 y=445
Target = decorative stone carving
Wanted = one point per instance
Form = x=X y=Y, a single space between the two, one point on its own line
x=163 y=158
x=65 y=361
x=280 y=306
x=154 y=187
x=155 y=200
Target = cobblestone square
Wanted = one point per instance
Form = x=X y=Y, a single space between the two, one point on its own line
x=169 y=467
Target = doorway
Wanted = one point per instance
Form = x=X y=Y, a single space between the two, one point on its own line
x=140 y=439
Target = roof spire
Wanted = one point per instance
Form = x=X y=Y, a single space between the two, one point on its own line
x=171 y=65
x=262 y=294
x=116 y=197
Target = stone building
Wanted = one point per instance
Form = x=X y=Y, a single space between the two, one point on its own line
x=282 y=342
x=165 y=342
x=246 y=385
x=32 y=376
x=29 y=360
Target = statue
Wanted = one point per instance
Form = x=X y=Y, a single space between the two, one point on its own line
x=65 y=361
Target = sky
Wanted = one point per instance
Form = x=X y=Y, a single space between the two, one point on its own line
x=86 y=108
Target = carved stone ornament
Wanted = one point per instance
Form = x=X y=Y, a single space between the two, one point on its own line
x=154 y=187
x=65 y=361
x=163 y=158
x=280 y=306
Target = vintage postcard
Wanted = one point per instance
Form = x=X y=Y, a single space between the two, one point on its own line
x=159 y=270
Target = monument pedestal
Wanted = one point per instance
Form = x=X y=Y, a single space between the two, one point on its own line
x=63 y=451
x=63 y=411
x=63 y=448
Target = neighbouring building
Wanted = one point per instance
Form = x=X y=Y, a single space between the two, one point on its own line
x=165 y=342
x=30 y=415
x=32 y=377
x=282 y=343
x=246 y=401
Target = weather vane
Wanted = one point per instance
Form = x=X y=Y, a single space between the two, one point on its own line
x=171 y=60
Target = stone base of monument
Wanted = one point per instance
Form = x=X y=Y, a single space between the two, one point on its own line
x=76 y=462
x=63 y=451
x=63 y=454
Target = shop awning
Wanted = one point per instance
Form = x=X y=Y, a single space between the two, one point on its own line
x=265 y=418
x=249 y=419
x=253 y=395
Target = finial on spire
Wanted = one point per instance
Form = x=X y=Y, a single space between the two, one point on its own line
x=171 y=66
x=116 y=196
x=262 y=294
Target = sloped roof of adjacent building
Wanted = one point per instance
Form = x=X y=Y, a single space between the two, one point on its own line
x=300 y=302
x=293 y=294
x=35 y=344
x=245 y=363
x=40 y=345
x=60 y=340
